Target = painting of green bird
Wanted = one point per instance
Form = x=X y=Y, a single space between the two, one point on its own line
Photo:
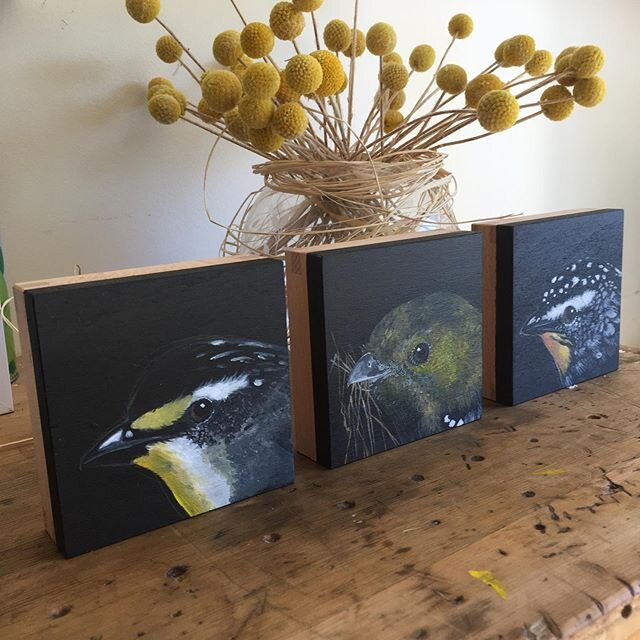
x=421 y=373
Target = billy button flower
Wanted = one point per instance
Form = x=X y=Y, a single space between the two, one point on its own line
x=481 y=85
x=221 y=89
x=518 y=50
x=168 y=49
x=563 y=66
x=235 y=126
x=337 y=35
x=460 y=26
x=422 y=58
x=254 y=112
x=157 y=82
x=307 y=5
x=540 y=63
x=394 y=76
x=497 y=111
x=556 y=103
x=394 y=56
x=589 y=92
x=587 y=61
x=257 y=40
x=397 y=102
x=261 y=80
x=452 y=79
x=206 y=110
x=392 y=120
x=499 y=53
x=381 y=39
x=303 y=74
x=164 y=108
x=143 y=11
x=170 y=90
x=226 y=48
x=286 y=22
x=290 y=120
x=361 y=44
x=266 y=140
x=333 y=74
x=285 y=92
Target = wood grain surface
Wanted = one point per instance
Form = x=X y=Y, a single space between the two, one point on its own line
x=540 y=502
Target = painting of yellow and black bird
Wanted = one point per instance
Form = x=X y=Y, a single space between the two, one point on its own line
x=210 y=418
x=578 y=319
x=422 y=369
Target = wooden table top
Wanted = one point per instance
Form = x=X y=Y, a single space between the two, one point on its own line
x=524 y=525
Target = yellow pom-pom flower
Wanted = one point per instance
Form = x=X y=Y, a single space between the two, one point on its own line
x=518 y=51
x=397 y=102
x=285 y=92
x=261 y=80
x=587 y=61
x=255 y=113
x=460 y=26
x=394 y=76
x=337 y=35
x=257 y=40
x=556 y=103
x=564 y=66
x=540 y=63
x=303 y=74
x=206 y=110
x=452 y=79
x=226 y=48
x=567 y=51
x=422 y=58
x=286 y=22
x=589 y=92
x=290 y=120
x=394 y=56
x=497 y=110
x=168 y=49
x=222 y=90
x=381 y=39
x=392 y=120
x=170 y=90
x=307 y=5
x=498 y=54
x=266 y=140
x=333 y=74
x=479 y=86
x=143 y=10
x=157 y=82
x=164 y=108
x=235 y=126
x=361 y=44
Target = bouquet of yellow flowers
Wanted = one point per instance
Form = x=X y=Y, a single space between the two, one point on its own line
x=326 y=179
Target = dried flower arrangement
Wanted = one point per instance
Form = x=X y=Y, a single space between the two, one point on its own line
x=324 y=180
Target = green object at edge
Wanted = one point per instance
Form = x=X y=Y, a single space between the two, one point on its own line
x=8 y=334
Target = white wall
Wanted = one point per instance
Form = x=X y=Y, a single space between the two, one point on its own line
x=88 y=177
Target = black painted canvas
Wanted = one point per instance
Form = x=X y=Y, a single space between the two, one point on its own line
x=162 y=396
x=396 y=342
x=558 y=300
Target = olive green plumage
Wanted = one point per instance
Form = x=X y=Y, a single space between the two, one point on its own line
x=423 y=363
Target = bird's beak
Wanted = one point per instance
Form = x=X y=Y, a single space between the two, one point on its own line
x=368 y=369
x=111 y=450
x=536 y=325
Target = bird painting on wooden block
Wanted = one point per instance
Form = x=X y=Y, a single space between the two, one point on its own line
x=578 y=319
x=422 y=368
x=211 y=419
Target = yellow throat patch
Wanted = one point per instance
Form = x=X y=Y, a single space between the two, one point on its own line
x=164 y=462
x=560 y=352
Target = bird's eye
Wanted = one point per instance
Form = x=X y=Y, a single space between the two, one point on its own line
x=200 y=410
x=420 y=354
x=569 y=315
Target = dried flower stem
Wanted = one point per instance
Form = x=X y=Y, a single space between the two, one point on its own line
x=193 y=75
x=315 y=29
x=352 y=67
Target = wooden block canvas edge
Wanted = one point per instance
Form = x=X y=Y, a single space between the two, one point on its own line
x=29 y=368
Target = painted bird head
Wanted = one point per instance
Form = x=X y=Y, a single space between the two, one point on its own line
x=578 y=319
x=423 y=363
x=210 y=418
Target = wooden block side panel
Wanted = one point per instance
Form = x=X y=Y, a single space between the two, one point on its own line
x=302 y=397
x=28 y=371
x=488 y=309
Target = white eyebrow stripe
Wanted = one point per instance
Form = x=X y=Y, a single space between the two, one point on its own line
x=578 y=302
x=221 y=389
